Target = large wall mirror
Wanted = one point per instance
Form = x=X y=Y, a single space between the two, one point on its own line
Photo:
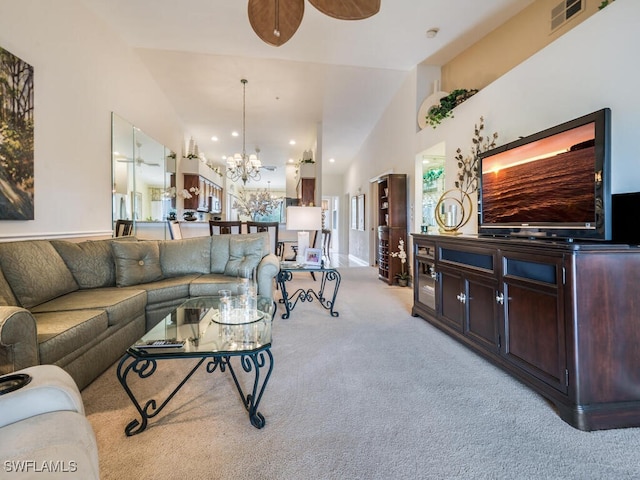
x=143 y=171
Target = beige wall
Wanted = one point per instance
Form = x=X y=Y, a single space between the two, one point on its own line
x=540 y=92
x=509 y=45
x=82 y=73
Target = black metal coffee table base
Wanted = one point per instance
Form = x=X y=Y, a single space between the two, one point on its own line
x=145 y=366
x=301 y=295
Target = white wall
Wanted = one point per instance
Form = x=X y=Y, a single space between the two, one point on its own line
x=82 y=73
x=333 y=186
x=591 y=67
x=389 y=148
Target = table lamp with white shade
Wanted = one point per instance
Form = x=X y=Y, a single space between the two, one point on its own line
x=303 y=219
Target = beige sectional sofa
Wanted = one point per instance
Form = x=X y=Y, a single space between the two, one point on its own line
x=80 y=305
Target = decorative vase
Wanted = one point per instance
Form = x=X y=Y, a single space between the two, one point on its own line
x=452 y=213
x=403 y=282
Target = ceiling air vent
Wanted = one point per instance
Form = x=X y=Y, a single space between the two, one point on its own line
x=564 y=11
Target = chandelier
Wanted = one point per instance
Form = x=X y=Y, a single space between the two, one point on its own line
x=241 y=166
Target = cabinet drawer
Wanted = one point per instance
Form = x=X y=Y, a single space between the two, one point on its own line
x=473 y=259
x=541 y=272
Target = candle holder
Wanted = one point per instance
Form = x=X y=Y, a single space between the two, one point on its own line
x=452 y=213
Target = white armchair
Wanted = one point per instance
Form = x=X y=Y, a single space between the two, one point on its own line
x=43 y=428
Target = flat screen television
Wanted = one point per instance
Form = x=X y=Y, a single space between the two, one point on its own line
x=552 y=184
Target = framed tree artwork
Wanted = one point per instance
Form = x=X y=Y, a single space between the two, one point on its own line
x=16 y=138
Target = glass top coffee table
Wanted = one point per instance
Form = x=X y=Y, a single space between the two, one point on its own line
x=195 y=329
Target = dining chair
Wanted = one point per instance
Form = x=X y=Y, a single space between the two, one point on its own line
x=174 y=230
x=123 y=228
x=326 y=243
x=221 y=227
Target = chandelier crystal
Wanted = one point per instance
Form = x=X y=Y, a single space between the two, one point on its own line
x=241 y=166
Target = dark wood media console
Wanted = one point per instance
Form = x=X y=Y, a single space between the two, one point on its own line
x=564 y=318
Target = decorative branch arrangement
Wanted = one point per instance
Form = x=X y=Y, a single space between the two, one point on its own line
x=256 y=204
x=454 y=209
x=467 y=181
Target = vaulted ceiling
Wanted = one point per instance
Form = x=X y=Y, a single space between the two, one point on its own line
x=339 y=74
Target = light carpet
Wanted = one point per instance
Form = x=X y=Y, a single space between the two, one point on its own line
x=372 y=394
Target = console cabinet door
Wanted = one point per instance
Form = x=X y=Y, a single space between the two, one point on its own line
x=425 y=282
x=450 y=307
x=534 y=324
x=481 y=319
x=468 y=305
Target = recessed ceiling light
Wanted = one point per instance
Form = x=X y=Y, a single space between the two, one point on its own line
x=224 y=157
x=291 y=160
x=332 y=160
x=234 y=134
x=432 y=32
x=292 y=142
x=214 y=139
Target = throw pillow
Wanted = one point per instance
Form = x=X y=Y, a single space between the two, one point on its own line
x=35 y=271
x=181 y=257
x=244 y=254
x=219 y=253
x=90 y=262
x=136 y=262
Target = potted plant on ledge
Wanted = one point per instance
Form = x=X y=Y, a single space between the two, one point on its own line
x=438 y=113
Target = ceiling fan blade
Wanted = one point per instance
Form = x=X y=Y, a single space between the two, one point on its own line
x=269 y=16
x=347 y=9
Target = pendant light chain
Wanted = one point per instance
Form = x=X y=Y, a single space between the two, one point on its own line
x=244 y=116
x=242 y=166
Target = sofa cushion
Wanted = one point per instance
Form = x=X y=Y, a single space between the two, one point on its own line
x=121 y=305
x=245 y=252
x=35 y=271
x=181 y=257
x=91 y=263
x=266 y=242
x=136 y=262
x=61 y=333
x=167 y=289
x=219 y=252
x=208 y=285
